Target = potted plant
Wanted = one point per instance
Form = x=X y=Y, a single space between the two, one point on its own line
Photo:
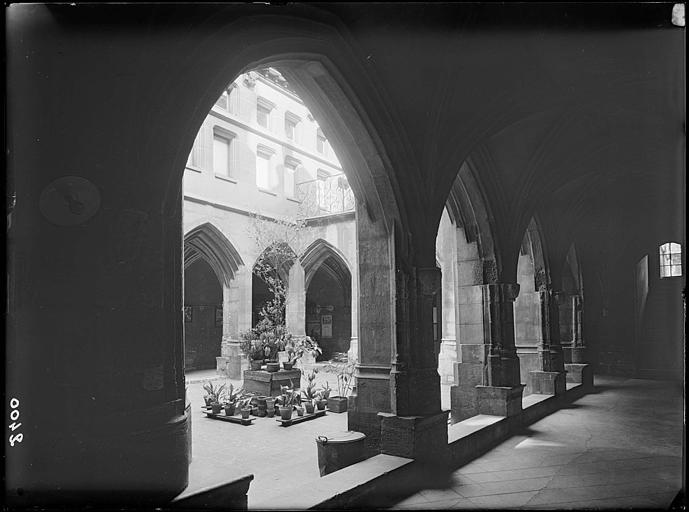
x=345 y=379
x=230 y=399
x=212 y=397
x=244 y=406
x=323 y=395
x=256 y=355
x=246 y=339
x=309 y=393
x=296 y=349
x=300 y=410
x=288 y=400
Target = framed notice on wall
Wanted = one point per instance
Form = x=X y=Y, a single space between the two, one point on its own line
x=327 y=326
x=188 y=314
x=218 y=316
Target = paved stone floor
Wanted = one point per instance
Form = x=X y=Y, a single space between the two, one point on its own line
x=275 y=455
x=620 y=447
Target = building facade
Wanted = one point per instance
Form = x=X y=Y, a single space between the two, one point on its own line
x=260 y=160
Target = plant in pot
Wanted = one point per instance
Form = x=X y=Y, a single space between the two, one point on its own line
x=230 y=399
x=256 y=355
x=213 y=395
x=295 y=349
x=288 y=399
x=345 y=381
x=309 y=393
x=244 y=406
x=322 y=396
x=246 y=339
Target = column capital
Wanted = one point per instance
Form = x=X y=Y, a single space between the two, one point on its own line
x=502 y=292
x=552 y=295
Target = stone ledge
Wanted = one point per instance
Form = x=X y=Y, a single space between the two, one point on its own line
x=358 y=485
x=230 y=495
x=470 y=438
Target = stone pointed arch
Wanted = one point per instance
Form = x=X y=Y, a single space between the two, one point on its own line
x=322 y=254
x=283 y=262
x=533 y=239
x=573 y=268
x=468 y=209
x=208 y=242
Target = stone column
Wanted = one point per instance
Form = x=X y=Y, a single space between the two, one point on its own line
x=374 y=304
x=295 y=308
x=550 y=378
x=501 y=395
x=236 y=318
x=416 y=427
x=448 y=345
x=471 y=353
x=353 y=352
x=578 y=371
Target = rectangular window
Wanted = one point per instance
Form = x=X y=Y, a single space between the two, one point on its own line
x=262 y=116
x=263 y=171
x=320 y=141
x=670 y=260
x=223 y=155
x=290 y=129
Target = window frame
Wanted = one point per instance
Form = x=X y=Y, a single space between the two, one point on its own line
x=267 y=153
x=230 y=137
x=268 y=107
x=673 y=249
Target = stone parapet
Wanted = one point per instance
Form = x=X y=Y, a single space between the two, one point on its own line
x=500 y=400
x=580 y=374
x=423 y=438
x=547 y=383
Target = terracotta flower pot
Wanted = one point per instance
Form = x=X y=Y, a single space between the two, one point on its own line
x=287 y=366
x=273 y=367
x=309 y=407
x=216 y=408
x=229 y=409
x=320 y=404
x=255 y=364
x=286 y=413
x=245 y=412
x=300 y=411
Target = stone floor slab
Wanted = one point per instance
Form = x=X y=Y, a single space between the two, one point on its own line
x=614 y=448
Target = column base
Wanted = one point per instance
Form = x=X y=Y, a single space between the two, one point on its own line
x=578 y=355
x=372 y=395
x=229 y=364
x=415 y=392
x=547 y=383
x=580 y=374
x=500 y=401
x=422 y=438
x=463 y=395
